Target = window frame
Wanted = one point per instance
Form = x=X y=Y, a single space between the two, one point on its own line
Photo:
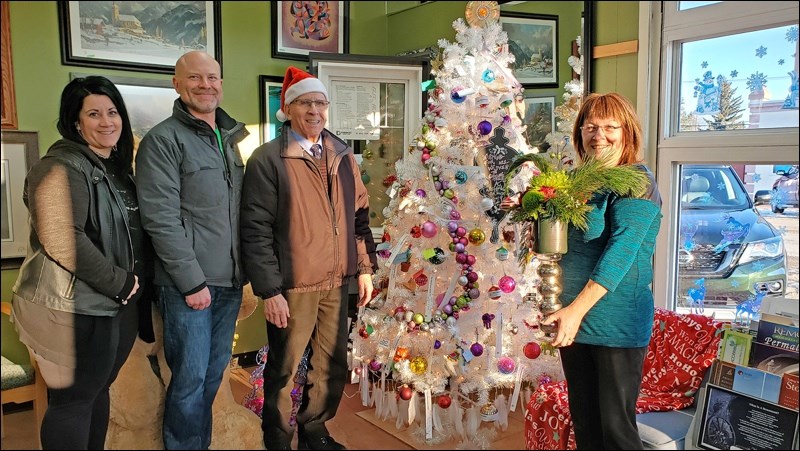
x=672 y=148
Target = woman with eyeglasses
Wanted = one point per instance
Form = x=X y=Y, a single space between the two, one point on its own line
x=305 y=235
x=605 y=325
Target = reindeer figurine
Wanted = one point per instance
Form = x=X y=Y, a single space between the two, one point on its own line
x=696 y=296
x=749 y=307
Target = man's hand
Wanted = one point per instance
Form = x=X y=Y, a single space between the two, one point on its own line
x=276 y=311
x=364 y=289
x=200 y=300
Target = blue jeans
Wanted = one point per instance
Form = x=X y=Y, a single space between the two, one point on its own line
x=197 y=347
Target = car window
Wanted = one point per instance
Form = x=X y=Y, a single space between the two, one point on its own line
x=714 y=187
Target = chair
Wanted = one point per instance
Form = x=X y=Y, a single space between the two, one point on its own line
x=25 y=383
x=697 y=188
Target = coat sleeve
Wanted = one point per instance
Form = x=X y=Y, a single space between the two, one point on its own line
x=258 y=211
x=58 y=200
x=158 y=175
x=365 y=244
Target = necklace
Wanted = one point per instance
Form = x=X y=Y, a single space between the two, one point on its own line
x=101 y=156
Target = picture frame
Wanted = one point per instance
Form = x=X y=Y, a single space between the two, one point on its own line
x=733 y=420
x=148 y=101
x=269 y=95
x=150 y=44
x=20 y=150
x=9 y=110
x=539 y=119
x=324 y=30
x=533 y=40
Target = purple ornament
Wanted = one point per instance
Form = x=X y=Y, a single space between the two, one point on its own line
x=484 y=127
x=472 y=277
x=452 y=226
x=474 y=293
x=437 y=344
x=448 y=309
x=455 y=215
x=375 y=365
x=459 y=248
x=507 y=284
x=476 y=349
x=452 y=300
x=429 y=229
x=506 y=365
x=421 y=193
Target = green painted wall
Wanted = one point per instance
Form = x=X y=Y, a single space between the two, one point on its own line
x=376 y=28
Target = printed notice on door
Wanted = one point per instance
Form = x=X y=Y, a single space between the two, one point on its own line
x=355 y=110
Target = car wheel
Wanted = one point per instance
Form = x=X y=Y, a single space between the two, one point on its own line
x=777 y=210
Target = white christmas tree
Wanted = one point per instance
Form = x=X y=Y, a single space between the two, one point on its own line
x=452 y=339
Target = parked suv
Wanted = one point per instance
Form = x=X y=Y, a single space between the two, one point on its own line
x=729 y=256
x=784 y=190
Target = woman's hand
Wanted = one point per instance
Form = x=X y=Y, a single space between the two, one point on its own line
x=569 y=321
x=133 y=291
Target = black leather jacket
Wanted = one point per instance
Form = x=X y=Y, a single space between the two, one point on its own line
x=80 y=257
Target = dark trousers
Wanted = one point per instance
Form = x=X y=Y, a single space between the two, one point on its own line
x=77 y=416
x=603 y=386
x=318 y=320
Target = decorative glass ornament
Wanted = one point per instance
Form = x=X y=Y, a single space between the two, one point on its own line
x=481 y=13
x=476 y=349
x=418 y=365
x=437 y=344
x=405 y=392
x=421 y=193
x=484 y=127
x=501 y=253
x=482 y=101
x=495 y=292
x=455 y=97
x=506 y=365
x=487 y=203
x=488 y=412
x=429 y=229
x=477 y=236
x=438 y=256
x=416 y=232
x=375 y=365
x=506 y=100
x=488 y=76
x=365 y=178
x=532 y=350
x=461 y=177
x=401 y=354
x=455 y=215
x=418 y=318
x=444 y=401
x=513 y=328
x=544 y=379
x=421 y=280
x=507 y=284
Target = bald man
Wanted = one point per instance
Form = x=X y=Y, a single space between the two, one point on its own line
x=190 y=174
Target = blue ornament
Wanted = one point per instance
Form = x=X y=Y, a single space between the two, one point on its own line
x=461 y=177
x=484 y=127
x=488 y=76
x=455 y=97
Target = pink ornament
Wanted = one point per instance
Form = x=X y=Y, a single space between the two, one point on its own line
x=455 y=215
x=507 y=284
x=506 y=365
x=429 y=229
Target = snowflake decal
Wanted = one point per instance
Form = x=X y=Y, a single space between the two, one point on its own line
x=761 y=51
x=734 y=73
x=704 y=64
x=721 y=186
x=756 y=82
x=735 y=284
x=781 y=61
x=758 y=266
x=756 y=177
x=783 y=230
x=791 y=34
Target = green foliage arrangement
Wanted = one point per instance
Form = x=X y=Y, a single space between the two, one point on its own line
x=562 y=194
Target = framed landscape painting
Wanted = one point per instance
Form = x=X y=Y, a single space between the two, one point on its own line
x=533 y=40
x=539 y=120
x=20 y=150
x=144 y=36
x=299 y=28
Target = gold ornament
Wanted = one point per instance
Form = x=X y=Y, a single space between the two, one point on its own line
x=480 y=14
x=418 y=365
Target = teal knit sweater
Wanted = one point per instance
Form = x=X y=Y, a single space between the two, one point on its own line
x=616 y=252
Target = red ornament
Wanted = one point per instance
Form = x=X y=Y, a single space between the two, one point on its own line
x=386 y=237
x=532 y=350
x=416 y=232
x=444 y=401
x=387 y=182
x=405 y=392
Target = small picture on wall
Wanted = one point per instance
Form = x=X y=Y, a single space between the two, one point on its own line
x=539 y=121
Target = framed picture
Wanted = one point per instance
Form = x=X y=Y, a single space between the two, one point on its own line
x=269 y=90
x=148 y=101
x=538 y=117
x=9 y=110
x=733 y=420
x=302 y=27
x=20 y=151
x=533 y=40
x=137 y=36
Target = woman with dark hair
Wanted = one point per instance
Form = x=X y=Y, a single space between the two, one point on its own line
x=604 y=328
x=79 y=294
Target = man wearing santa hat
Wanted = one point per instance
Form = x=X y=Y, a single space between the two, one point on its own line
x=305 y=234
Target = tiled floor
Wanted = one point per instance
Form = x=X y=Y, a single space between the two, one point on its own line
x=348 y=427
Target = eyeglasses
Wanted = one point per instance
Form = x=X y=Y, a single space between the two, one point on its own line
x=320 y=104
x=607 y=129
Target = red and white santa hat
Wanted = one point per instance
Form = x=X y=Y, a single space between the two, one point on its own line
x=297 y=82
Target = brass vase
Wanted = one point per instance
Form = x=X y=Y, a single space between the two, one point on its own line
x=551 y=243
